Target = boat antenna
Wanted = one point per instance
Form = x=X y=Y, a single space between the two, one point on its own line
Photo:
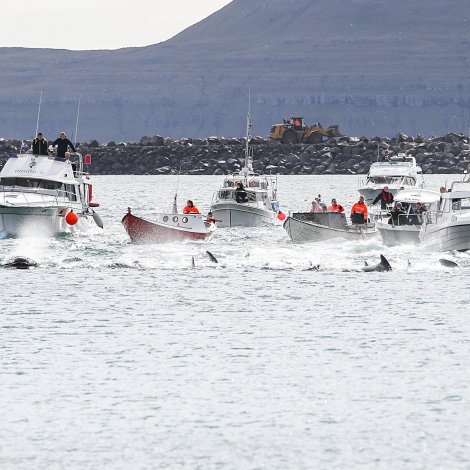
x=175 y=206
x=76 y=123
x=249 y=125
x=39 y=113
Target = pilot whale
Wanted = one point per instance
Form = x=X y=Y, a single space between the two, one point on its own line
x=384 y=265
x=21 y=263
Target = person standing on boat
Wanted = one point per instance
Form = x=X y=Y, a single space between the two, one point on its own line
x=359 y=212
x=62 y=145
x=335 y=207
x=40 y=145
x=190 y=208
x=240 y=193
x=385 y=197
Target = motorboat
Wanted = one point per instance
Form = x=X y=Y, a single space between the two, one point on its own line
x=321 y=226
x=46 y=195
x=448 y=228
x=405 y=228
x=254 y=204
x=397 y=172
x=168 y=227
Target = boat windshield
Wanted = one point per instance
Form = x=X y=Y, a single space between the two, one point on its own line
x=230 y=195
x=407 y=180
x=55 y=188
x=30 y=183
x=251 y=184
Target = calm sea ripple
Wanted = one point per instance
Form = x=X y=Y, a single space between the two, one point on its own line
x=121 y=356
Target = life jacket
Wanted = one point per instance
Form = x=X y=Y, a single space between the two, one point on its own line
x=359 y=209
x=336 y=208
x=189 y=210
x=387 y=196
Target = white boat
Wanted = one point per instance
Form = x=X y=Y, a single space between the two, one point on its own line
x=398 y=172
x=38 y=193
x=448 y=228
x=259 y=205
x=321 y=226
x=407 y=227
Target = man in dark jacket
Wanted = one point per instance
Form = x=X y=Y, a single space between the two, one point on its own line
x=40 y=145
x=385 y=197
x=62 y=145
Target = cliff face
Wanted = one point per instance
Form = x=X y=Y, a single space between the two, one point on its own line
x=215 y=156
x=374 y=67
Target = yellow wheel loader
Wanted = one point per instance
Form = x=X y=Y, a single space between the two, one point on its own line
x=294 y=130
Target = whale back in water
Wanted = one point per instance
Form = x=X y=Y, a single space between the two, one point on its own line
x=384 y=265
x=21 y=263
x=448 y=263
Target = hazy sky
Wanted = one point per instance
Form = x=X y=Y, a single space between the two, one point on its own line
x=98 y=24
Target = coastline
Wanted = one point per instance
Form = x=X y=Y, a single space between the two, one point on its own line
x=218 y=155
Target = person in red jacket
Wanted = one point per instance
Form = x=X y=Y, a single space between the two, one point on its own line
x=335 y=207
x=190 y=208
x=385 y=197
x=359 y=212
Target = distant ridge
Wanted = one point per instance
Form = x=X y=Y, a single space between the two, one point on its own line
x=374 y=67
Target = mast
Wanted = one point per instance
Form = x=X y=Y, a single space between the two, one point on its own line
x=39 y=113
x=249 y=125
x=76 y=123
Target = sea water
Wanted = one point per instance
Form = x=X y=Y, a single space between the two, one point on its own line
x=122 y=356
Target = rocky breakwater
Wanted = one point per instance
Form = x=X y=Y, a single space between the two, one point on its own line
x=215 y=156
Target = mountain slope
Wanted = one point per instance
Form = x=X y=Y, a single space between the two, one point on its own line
x=372 y=66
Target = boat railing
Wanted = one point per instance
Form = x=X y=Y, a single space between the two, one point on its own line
x=432 y=217
x=406 y=219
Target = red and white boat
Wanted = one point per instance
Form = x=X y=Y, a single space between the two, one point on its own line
x=168 y=228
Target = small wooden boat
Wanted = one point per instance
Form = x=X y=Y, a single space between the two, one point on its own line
x=320 y=226
x=168 y=227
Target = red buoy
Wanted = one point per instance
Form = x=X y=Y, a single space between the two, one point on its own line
x=71 y=218
x=281 y=216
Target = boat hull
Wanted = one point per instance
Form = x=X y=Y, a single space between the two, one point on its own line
x=301 y=231
x=393 y=235
x=233 y=215
x=446 y=237
x=40 y=221
x=142 y=231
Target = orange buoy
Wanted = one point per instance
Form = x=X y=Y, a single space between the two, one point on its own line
x=281 y=216
x=71 y=218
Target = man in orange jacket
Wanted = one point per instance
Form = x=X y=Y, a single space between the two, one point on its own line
x=190 y=208
x=359 y=212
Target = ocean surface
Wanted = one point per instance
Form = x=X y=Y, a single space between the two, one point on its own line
x=115 y=356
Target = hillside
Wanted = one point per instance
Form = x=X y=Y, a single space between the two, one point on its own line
x=374 y=67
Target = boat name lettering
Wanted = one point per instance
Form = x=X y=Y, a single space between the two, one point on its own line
x=26 y=171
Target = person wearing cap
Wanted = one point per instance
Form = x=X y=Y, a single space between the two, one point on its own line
x=385 y=197
x=40 y=145
x=359 y=212
x=62 y=145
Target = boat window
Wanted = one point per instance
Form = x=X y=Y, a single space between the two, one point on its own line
x=34 y=183
x=165 y=218
x=465 y=203
x=70 y=191
x=175 y=219
x=408 y=180
x=226 y=195
x=184 y=220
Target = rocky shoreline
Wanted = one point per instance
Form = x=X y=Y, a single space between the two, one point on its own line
x=216 y=156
